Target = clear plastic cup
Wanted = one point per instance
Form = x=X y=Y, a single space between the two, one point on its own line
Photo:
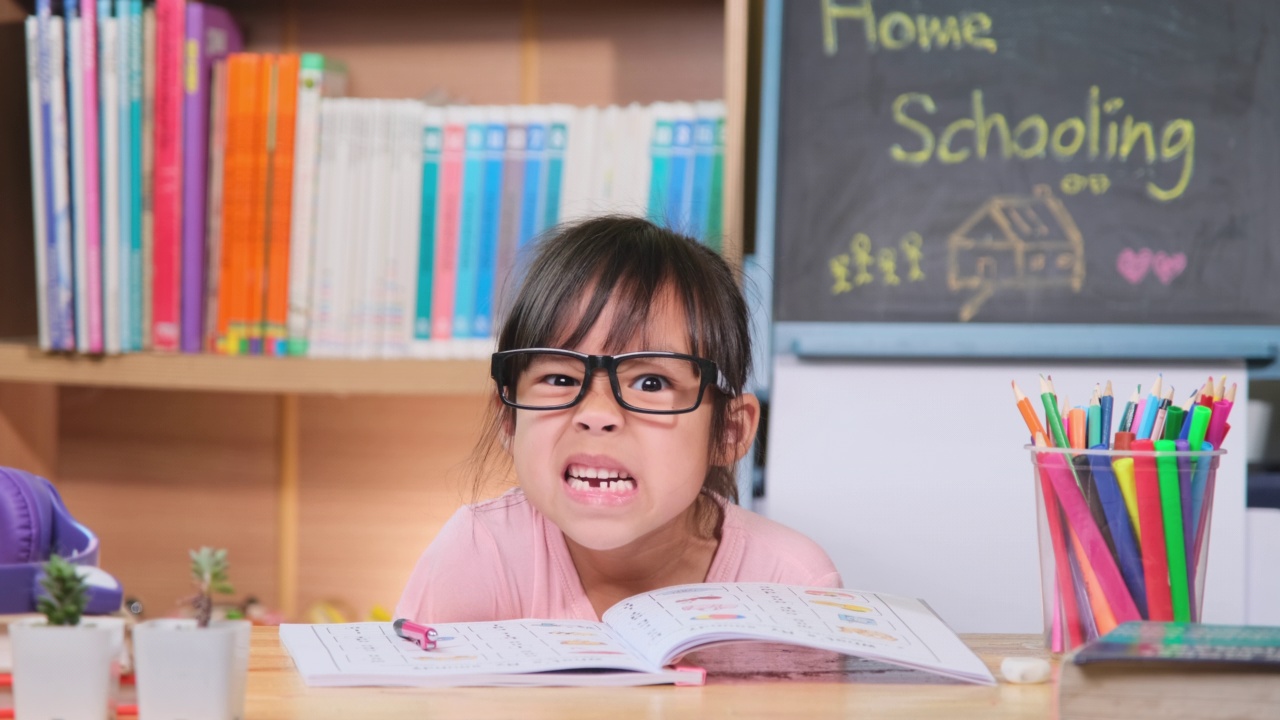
x=1124 y=535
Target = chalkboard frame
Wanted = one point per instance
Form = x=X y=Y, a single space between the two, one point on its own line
x=1258 y=345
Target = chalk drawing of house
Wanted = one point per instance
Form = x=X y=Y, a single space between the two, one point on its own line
x=1014 y=242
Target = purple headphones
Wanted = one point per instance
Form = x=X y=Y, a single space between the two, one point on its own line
x=33 y=525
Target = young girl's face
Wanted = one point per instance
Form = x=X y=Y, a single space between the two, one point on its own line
x=664 y=457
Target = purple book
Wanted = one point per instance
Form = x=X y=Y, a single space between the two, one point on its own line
x=214 y=35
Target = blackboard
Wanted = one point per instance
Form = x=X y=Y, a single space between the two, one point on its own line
x=1138 y=182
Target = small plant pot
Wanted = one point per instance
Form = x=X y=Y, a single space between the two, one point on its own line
x=66 y=672
x=191 y=673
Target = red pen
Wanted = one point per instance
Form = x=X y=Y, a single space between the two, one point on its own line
x=424 y=636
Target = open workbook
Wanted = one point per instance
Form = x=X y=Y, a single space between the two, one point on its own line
x=638 y=641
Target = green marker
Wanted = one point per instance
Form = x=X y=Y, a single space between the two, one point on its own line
x=1173 y=418
x=1174 y=541
x=1200 y=415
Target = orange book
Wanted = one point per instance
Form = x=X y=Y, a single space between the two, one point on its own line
x=237 y=188
x=280 y=133
x=255 y=263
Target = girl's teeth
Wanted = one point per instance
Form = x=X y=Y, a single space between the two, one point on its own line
x=611 y=486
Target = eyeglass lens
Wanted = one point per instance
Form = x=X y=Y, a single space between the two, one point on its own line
x=649 y=383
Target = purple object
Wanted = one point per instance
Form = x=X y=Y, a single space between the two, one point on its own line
x=215 y=36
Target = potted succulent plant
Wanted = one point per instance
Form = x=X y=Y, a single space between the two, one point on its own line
x=65 y=664
x=194 y=668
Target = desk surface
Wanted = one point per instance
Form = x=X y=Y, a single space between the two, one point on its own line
x=743 y=681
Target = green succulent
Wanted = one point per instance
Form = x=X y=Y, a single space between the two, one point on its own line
x=209 y=570
x=65 y=593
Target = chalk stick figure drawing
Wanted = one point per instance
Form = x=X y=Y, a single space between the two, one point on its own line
x=1014 y=242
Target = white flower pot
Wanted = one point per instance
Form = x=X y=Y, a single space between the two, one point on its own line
x=66 y=672
x=188 y=673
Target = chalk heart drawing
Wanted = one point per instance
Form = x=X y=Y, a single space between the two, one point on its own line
x=1133 y=266
x=1168 y=267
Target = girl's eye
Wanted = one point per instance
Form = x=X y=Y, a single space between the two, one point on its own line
x=560 y=380
x=651 y=383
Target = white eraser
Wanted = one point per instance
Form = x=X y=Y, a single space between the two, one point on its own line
x=1025 y=670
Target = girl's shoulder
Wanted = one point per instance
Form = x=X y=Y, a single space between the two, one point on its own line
x=507 y=513
x=757 y=549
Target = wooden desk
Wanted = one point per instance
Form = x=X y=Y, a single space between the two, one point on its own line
x=743 y=682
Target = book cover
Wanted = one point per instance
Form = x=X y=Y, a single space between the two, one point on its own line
x=714 y=224
x=281 y=128
x=319 y=76
x=62 y=279
x=448 y=210
x=261 y=147
x=38 y=199
x=704 y=144
x=531 y=215
x=402 y=261
x=109 y=144
x=638 y=640
x=495 y=148
x=210 y=35
x=132 y=116
x=469 y=217
x=238 y=180
x=579 y=148
x=75 y=141
x=167 y=195
x=92 y=173
x=680 y=169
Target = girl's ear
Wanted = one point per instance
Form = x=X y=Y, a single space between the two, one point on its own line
x=740 y=428
x=506 y=424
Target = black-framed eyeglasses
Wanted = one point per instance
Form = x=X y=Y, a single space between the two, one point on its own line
x=662 y=383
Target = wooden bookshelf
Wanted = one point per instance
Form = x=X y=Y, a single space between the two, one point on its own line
x=23 y=362
x=324 y=478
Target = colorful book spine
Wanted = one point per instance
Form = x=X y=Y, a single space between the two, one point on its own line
x=167 y=198
x=213 y=208
x=281 y=129
x=92 y=177
x=124 y=185
x=109 y=143
x=237 y=199
x=63 y=279
x=509 y=224
x=148 y=172
x=495 y=148
x=133 y=96
x=680 y=169
x=318 y=77
x=464 y=304
x=557 y=139
x=714 y=233
x=255 y=267
x=704 y=142
x=535 y=164
x=432 y=150
x=210 y=35
x=660 y=163
x=75 y=103
x=38 y=210
x=446 y=263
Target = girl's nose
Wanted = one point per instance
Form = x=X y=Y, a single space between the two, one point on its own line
x=599 y=411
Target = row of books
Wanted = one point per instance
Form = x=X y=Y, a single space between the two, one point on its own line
x=215 y=200
x=424 y=214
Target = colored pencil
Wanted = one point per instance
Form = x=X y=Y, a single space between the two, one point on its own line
x=1094 y=422
x=1028 y=413
x=1155 y=559
x=1128 y=557
x=1148 y=413
x=1130 y=410
x=1053 y=419
x=1104 y=620
x=1062 y=568
x=1157 y=430
x=1106 y=402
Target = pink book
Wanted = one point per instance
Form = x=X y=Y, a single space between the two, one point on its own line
x=446 y=261
x=92 y=209
x=167 y=192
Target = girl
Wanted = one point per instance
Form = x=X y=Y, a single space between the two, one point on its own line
x=620 y=373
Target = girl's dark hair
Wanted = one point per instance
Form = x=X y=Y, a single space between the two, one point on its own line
x=633 y=262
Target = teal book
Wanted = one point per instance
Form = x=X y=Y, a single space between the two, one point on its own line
x=432 y=145
x=495 y=149
x=659 y=160
x=464 y=304
x=704 y=140
x=713 y=226
x=138 y=275
x=1170 y=642
x=680 y=170
x=128 y=279
x=557 y=139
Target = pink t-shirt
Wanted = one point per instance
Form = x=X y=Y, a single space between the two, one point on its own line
x=502 y=559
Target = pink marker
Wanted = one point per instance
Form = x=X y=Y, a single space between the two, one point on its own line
x=424 y=636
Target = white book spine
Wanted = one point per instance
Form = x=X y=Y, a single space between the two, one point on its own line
x=328 y=299
x=64 y=295
x=575 y=200
x=109 y=118
x=305 y=188
x=80 y=249
x=38 y=211
x=409 y=189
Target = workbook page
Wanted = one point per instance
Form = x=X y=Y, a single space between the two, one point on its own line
x=665 y=624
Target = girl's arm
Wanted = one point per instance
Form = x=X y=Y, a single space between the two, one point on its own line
x=459 y=577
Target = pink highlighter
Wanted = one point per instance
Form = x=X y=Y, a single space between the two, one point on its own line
x=424 y=636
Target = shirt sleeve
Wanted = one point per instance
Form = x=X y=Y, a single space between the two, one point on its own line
x=459 y=576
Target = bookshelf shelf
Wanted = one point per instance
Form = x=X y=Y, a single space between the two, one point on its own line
x=23 y=362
